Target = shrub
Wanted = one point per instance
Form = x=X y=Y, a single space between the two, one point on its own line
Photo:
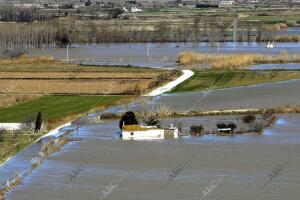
x=128 y=119
x=28 y=123
x=163 y=111
x=221 y=125
x=232 y=126
x=287 y=38
x=249 y=119
x=291 y=23
x=109 y=116
x=268 y=113
x=196 y=130
x=258 y=127
x=2 y=133
x=152 y=120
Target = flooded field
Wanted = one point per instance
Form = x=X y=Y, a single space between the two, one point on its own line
x=139 y=53
x=291 y=66
x=269 y=95
x=241 y=165
x=238 y=167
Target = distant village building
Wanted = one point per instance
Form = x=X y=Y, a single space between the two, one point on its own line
x=136 y=10
x=125 y=9
x=28 y=5
x=253 y=1
x=226 y=4
x=79 y=5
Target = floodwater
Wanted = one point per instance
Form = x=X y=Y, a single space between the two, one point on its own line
x=291 y=66
x=220 y=167
x=238 y=167
x=268 y=95
x=162 y=53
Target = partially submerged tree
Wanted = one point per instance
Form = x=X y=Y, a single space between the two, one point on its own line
x=196 y=130
x=128 y=119
x=249 y=119
x=221 y=125
x=232 y=126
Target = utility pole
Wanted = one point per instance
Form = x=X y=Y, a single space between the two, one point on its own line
x=234 y=31
x=148 y=50
x=67 y=53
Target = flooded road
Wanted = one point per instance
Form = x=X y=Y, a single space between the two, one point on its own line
x=140 y=170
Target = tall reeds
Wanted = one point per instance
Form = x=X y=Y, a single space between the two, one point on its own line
x=25 y=59
x=235 y=61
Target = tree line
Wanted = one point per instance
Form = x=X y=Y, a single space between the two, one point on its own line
x=23 y=37
x=41 y=35
x=22 y=14
x=197 y=31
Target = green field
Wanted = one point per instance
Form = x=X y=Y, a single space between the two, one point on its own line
x=54 y=107
x=56 y=110
x=203 y=80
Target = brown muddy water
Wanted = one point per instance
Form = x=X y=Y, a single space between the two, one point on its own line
x=217 y=167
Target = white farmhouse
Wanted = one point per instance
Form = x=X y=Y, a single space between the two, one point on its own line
x=226 y=4
x=148 y=132
x=11 y=126
x=125 y=9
